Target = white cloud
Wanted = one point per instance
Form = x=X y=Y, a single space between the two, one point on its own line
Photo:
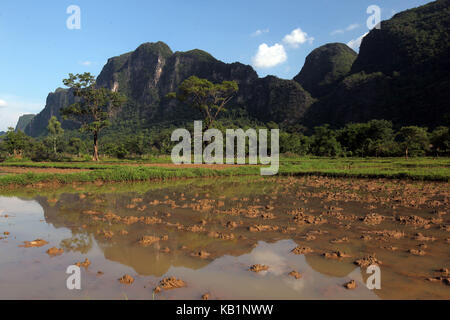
x=337 y=31
x=86 y=63
x=349 y=28
x=352 y=27
x=3 y=103
x=267 y=57
x=259 y=32
x=356 y=43
x=297 y=37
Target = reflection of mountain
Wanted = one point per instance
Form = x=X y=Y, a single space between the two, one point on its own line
x=330 y=267
x=67 y=212
x=148 y=261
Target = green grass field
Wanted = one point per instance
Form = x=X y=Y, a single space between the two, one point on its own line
x=116 y=171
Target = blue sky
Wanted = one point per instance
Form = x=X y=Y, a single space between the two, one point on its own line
x=38 y=50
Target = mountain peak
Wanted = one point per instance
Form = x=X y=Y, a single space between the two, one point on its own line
x=325 y=66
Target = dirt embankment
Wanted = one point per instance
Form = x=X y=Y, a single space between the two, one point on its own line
x=19 y=170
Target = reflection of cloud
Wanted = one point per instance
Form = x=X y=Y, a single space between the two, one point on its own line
x=295 y=284
x=3 y=103
x=277 y=264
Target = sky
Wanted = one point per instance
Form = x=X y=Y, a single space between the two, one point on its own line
x=41 y=42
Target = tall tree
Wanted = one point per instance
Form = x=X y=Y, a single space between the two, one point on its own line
x=55 y=130
x=414 y=140
x=93 y=107
x=208 y=97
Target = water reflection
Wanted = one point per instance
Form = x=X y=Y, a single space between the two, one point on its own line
x=106 y=225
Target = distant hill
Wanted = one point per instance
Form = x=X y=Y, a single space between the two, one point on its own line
x=325 y=67
x=402 y=74
x=24 y=121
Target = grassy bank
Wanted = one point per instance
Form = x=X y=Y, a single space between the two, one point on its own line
x=393 y=168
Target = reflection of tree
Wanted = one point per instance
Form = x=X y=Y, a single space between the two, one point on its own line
x=78 y=242
x=88 y=216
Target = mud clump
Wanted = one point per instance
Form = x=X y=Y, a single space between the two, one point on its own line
x=372 y=219
x=258 y=268
x=267 y=216
x=85 y=264
x=34 y=244
x=261 y=228
x=301 y=219
x=220 y=235
x=6 y=233
x=302 y=250
x=421 y=237
x=384 y=235
x=126 y=279
x=149 y=240
x=201 y=254
x=55 y=252
x=169 y=284
x=206 y=296
x=165 y=250
x=417 y=252
x=295 y=274
x=336 y=255
x=414 y=221
x=107 y=234
x=350 y=285
x=340 y=240
x=195 y=228
x=368 y=261
x=231 y=224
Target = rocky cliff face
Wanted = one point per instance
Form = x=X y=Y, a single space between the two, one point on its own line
x=402 y=74
x=147 y=74
x=24 y=121
x=55 y=101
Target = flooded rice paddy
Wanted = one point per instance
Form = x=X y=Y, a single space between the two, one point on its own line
x=233 y=238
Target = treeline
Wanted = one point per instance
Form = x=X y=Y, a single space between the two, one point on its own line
x=376 y=138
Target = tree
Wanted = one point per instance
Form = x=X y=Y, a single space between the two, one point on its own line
x=414 y=140
x=55 y=130
x=75 y=146
x=440 y=140
x=206 y=96
x=293 y=143
x=324 y=143
x=93 y=107
x=16 y=142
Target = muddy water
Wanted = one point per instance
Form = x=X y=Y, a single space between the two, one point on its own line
x=234 y=223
